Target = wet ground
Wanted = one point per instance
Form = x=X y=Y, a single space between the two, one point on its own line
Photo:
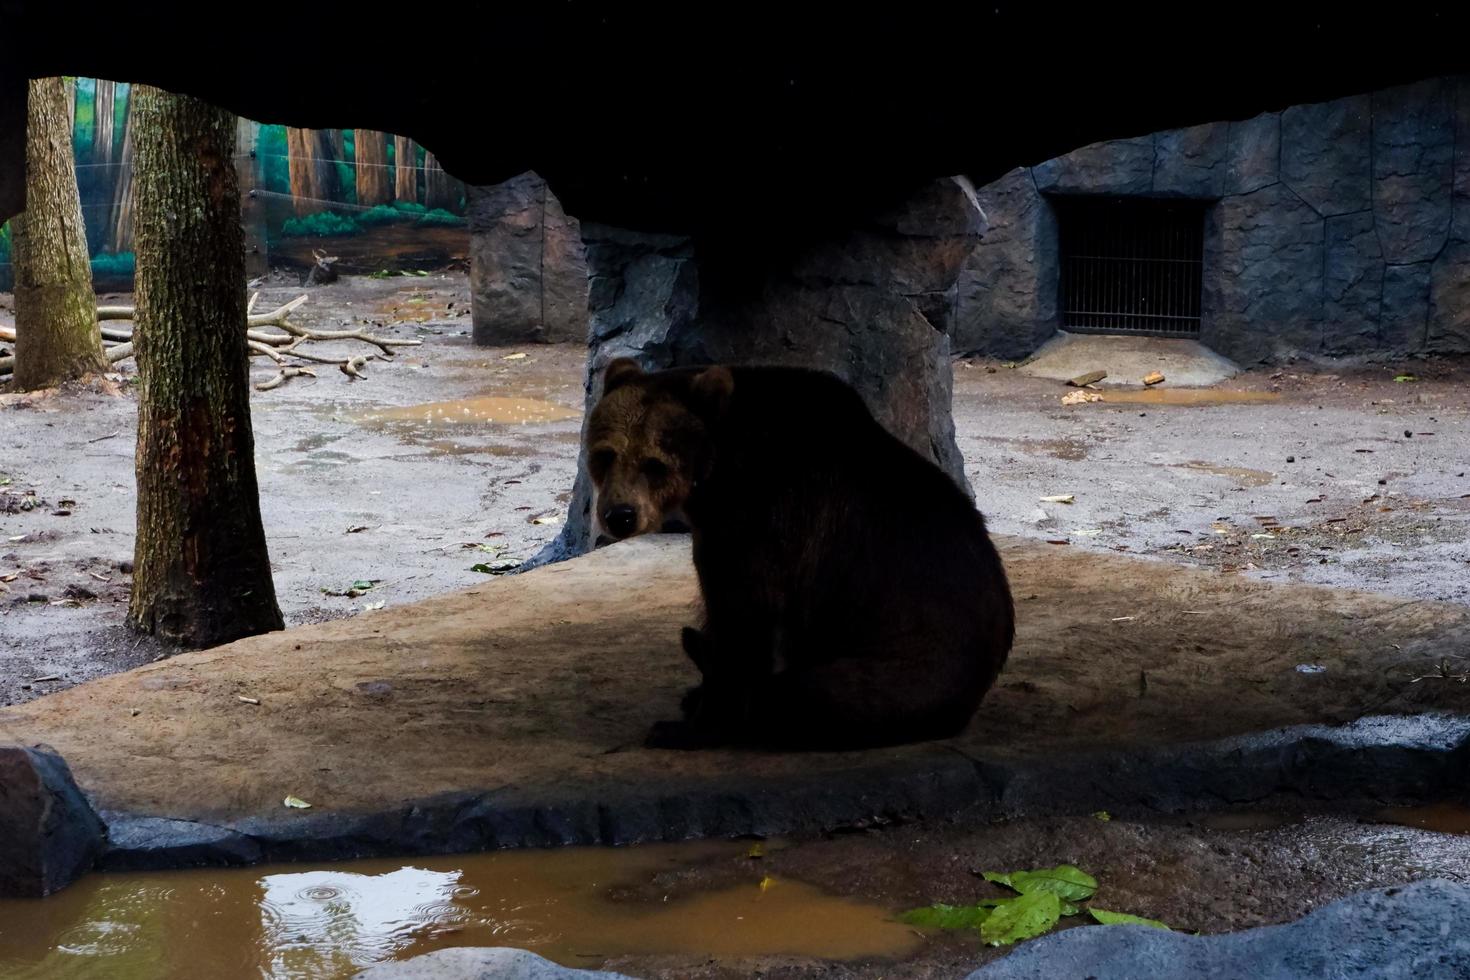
x=453 y=456
x=732 y=909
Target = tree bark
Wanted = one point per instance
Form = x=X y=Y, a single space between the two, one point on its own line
x=120 y=237
x=56 y=335
x=372 y=167
x=405 y=169
x=201 y=569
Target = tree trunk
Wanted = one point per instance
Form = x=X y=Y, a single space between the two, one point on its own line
x=201 y=570
x=405 y=169
x=120 y=236
x=372 y=167
x=56 y=335
x=102 y=121
x=440 y=189
x=309 y=162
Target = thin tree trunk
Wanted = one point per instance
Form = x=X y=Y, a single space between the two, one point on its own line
x=405 y=169
x=372 y=167
x=201 y=570
x=56 y=334
x=120 y=237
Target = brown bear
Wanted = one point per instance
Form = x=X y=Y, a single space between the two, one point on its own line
x=852 y=595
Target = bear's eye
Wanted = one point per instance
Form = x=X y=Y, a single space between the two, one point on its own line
x=601 y=461
x=654 y=469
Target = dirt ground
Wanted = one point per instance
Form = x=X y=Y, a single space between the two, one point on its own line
x=1345 y=478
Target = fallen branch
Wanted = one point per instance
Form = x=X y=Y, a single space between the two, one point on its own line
x=284 y=375
x=278 y=345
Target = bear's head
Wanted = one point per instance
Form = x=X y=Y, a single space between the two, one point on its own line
x=648 y=443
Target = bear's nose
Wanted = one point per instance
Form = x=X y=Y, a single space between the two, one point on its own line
x=621 y=520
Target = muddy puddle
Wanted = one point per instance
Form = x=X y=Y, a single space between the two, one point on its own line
x=494 y=409
x=1443 y=818
x=569 y=905
x=1245 y=477
x=1186 y=396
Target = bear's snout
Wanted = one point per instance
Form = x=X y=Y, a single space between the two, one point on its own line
x=620 y=520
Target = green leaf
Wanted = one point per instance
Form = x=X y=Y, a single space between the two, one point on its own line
x=1064 y=881
x=1405 y=377
x=1021 y=918
x=362 y=585
x=1103 y=815
x=947 y=916
x=1123 y=919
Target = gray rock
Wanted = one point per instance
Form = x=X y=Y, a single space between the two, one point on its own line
x=1413 y=169
x=480 y=963
x=1254 y=154
x=1263 y=294
x=528 y=278
x=1192 y=162
x=1410 y=932
x=1403 y=321
x=871 y=304
x=1114 y=167
x=1449 y=301
x=1352 y=288
x=1460 y=204
x=49 y=834
x=1004 y=307
x=1326 y=154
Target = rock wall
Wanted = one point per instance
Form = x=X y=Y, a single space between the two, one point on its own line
x=528 y=276
x=871 y=304
x=1338 y=228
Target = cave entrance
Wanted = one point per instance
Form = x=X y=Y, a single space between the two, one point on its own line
x=1130 y=265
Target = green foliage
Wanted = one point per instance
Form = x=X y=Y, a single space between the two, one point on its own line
x=382 y=214
x=322 y=224
x=110 y=265
x=5 y=242
x=411 y=207
x=346 y=181
x=440 y=218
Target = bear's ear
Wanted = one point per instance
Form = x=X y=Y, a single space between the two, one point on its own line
x=711 y=392
x=619 y=371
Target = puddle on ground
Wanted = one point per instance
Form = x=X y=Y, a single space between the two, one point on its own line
x=499 y=409
x=1186 y=396
x=1445 y=818
x=330 y=922
x=1243 y=476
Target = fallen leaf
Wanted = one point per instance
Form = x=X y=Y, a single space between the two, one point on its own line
x=950 y=916
x=246 y=700
x=363 y=584
x=296 y=803
x=375 y=605
x=513 y=357
x=1065 y=498
x=1123 y=919
x=1081 y=397
x=1065 y=881
x=497 y=567
x=1405 y=377
x=1021 y=918
x=767 y=882
x=1103 y=815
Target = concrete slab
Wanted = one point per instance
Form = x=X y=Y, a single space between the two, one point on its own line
x=1183 y=363
x=512 y=714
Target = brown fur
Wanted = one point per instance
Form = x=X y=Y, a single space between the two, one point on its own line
x=852 y=595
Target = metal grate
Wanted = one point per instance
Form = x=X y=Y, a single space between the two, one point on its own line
x=1130 y=265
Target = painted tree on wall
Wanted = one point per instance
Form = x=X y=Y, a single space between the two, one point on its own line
x=201 y=569
x=405 y=169
x=371 y=147
x=312 y=168
x=56 y=333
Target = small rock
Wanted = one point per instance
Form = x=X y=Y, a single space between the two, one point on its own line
x=1153 y=378
x=1090 y=378
x=1291 y=459
x=126 y=567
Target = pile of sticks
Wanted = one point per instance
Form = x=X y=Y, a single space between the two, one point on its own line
x=282 y=345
